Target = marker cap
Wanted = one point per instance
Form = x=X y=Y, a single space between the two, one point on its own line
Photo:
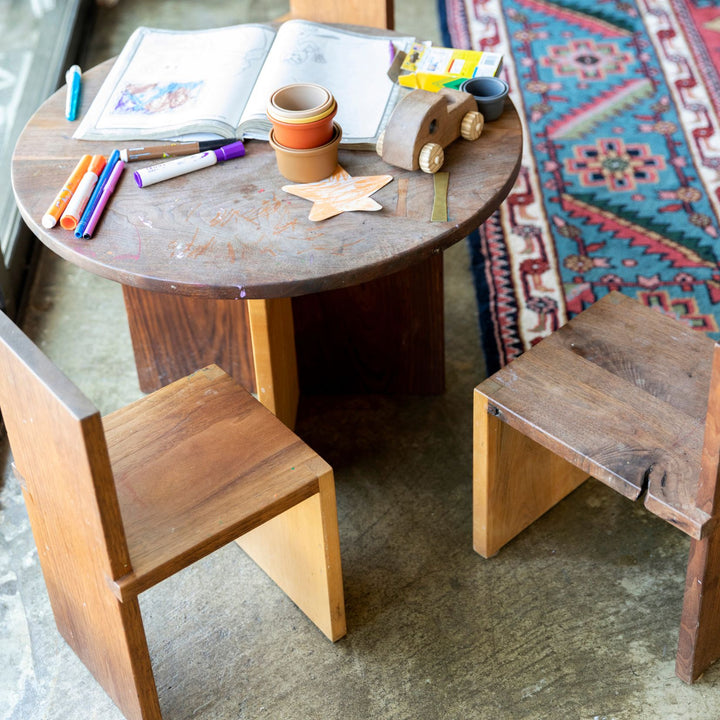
x=228 y=152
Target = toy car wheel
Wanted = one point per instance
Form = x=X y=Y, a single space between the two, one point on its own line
x=431 y=157
x=379 y=143
x=472 y=125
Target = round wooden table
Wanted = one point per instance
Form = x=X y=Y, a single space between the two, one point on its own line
x=212 y=258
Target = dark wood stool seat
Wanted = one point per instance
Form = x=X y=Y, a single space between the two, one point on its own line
x=620 y=393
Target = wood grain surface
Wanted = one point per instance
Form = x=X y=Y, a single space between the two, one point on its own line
x=621 y=392
x=230 y=231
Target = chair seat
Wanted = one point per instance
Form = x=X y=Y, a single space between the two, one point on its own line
x=170 y=523
x=609 y=395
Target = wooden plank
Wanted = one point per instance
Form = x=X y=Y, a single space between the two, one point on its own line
x=387 y=335
x=645 y=348
x=515 y=480
x=708 y=497
x=372 y=13
x=293 y=549
x=273 y=344
x=699 y=639
x=174 y=335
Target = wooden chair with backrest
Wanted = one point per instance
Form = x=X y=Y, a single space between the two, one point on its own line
x=118 y=504
x=371 y=13
x=626 y=395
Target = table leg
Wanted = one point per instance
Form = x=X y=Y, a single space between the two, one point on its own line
x=253 y=340
x=383 y=336
x=386 y=335
x=174 y=335
x=273 y=343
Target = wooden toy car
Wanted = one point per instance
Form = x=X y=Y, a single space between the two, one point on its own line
x=423 y=123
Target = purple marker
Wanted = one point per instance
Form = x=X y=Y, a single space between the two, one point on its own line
x=102 y=200
x=173 y=168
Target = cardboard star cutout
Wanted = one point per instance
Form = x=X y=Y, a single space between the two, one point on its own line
x=340 y=193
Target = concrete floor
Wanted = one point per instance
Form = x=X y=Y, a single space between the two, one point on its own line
x=577 y=618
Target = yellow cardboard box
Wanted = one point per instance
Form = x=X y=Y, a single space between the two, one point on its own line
x=430 y=68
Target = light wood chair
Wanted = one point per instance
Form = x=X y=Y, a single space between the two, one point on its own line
x=371 y=13
x=118 y=504
x=632 y=398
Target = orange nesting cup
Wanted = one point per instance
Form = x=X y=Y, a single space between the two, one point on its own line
x=302 y=136
x=302 y=115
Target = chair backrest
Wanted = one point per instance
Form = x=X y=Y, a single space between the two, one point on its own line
x=59 y=451
x=371 y=13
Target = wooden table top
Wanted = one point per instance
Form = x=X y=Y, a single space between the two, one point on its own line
x=230 y=231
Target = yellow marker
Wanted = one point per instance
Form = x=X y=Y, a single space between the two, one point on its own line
x=63 y=197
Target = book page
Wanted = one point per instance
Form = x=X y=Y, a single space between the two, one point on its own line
x=168 y=82
x=352 y=66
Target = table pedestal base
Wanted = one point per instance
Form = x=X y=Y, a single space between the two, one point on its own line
x=383 y=336
x=386 y=335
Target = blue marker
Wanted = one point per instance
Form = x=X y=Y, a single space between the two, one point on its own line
x=93 y=201
x=72 y=79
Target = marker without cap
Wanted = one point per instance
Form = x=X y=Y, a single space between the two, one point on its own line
x=173 y=149
x=77 y=203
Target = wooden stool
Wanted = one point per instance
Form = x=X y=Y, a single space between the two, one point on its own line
x=619 y=393
x=119 y=504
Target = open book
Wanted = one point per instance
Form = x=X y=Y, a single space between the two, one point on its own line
x=201 y=84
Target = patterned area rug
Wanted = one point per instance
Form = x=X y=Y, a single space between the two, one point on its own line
x=620 y=185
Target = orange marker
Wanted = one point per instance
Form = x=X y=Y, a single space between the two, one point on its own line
x=78 y=201
x=63 y=197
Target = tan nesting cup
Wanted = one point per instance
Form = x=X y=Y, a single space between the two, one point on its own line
x=305 y=165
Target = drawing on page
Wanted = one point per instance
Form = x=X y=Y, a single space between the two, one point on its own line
x=308 y=52
x=155 y=98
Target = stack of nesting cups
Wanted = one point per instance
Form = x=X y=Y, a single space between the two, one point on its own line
x=303 y=135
